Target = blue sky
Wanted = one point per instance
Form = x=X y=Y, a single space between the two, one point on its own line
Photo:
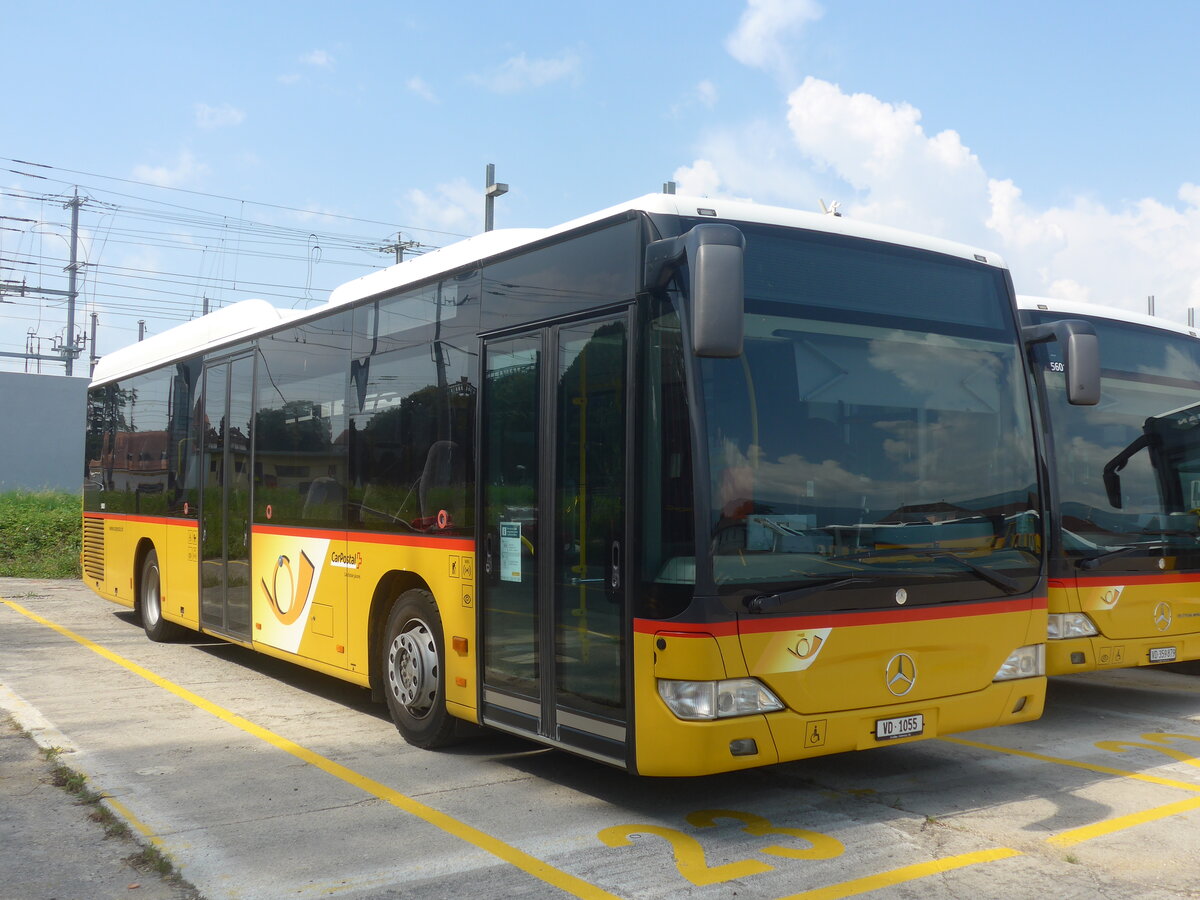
x=1058 y=134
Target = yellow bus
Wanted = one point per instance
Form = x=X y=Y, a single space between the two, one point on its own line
x=684 y=486
x=1124 y=576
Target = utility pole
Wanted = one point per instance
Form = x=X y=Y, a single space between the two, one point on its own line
x=491 y=191
x=94 y=357
x=70 y=347
x=400 y=246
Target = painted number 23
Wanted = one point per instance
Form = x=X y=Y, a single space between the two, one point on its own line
x=689 y=854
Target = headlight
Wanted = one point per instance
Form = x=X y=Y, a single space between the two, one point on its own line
x=1070 y=625
x=1024 y=662
x=717 y=699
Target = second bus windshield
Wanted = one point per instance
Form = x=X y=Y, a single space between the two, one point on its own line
x=1147 y=374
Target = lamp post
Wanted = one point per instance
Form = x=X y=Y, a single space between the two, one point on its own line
x=492 y=190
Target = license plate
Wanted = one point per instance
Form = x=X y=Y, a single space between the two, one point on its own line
x=899 y=727
x=1162 y=654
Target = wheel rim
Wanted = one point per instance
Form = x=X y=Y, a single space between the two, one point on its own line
x=413 y=668
x=151 y=601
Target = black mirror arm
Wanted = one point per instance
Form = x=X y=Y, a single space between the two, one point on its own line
x=1112 y=478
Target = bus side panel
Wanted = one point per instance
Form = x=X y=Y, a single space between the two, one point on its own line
x=179 y=561
x=447 y=567
x=298 y=594
x=313 y=589
x=121 y=537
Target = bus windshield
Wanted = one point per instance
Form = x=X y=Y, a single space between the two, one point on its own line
x=876 y=430
x=1149 y=375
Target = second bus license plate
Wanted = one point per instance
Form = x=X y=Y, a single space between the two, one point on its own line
x=899 y=727
x=1162 y=654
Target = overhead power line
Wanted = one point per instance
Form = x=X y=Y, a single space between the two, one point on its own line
x=136 y=257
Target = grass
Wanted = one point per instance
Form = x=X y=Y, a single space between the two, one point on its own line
x=40 y=534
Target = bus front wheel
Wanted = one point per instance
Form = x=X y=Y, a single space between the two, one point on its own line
x=413 y=671
x=150 y=603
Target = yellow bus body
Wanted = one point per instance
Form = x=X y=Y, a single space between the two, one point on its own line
x=1135 y=615
x=951 y=649
x=329 y=629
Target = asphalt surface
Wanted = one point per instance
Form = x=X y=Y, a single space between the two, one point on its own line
x=259 y=779
x=51 y=846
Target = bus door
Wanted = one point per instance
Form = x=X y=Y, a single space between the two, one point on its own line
x=554 y=596
x=225 y=498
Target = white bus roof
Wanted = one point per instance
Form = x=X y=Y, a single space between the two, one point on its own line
x=230 y=323
x=1096 y=310
x=244 y=320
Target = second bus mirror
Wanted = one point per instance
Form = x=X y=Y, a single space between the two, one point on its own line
x=1081 y=356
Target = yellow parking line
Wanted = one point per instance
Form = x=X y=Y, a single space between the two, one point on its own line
x=1075 y=836
x=484 y=841
x=1120 y=823
x=141 y=827
x=904 y=874
x=1091 y=767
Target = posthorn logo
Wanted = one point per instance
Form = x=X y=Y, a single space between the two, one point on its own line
x=901 y=674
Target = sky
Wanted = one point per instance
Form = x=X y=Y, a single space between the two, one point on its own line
x=279 y=149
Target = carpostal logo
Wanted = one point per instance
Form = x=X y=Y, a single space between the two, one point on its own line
x=341 y=560
x=289 y=588
x=804 y=646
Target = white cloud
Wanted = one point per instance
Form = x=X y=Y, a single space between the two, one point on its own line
x=209 y=117
x=700 y=179
x=455 y=206
x=900 y=174
x=765 y=26
x=754 y=159
x=418 y=86
x=706 y=93
x=187 y=170
x=519 y=73
x=319 y=58
x=878 y=160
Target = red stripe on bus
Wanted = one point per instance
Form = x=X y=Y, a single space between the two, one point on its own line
x=145 y=520
x=841 y=619
x=359 y=537
x=1164 y=578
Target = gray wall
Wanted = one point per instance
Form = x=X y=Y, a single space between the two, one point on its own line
x=42 y=420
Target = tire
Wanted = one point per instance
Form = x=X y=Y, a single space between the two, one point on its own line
x=413 y=671
x=150 y=603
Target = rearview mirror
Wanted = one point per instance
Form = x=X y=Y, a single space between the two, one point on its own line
x=1081 y=356
x=715 y=258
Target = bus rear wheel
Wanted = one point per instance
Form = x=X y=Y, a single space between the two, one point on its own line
x=413 y=671
x=150 y=603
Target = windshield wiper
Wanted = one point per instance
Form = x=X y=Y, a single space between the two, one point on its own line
x=1092 y=562
x=764 y=602
x=991 y=576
